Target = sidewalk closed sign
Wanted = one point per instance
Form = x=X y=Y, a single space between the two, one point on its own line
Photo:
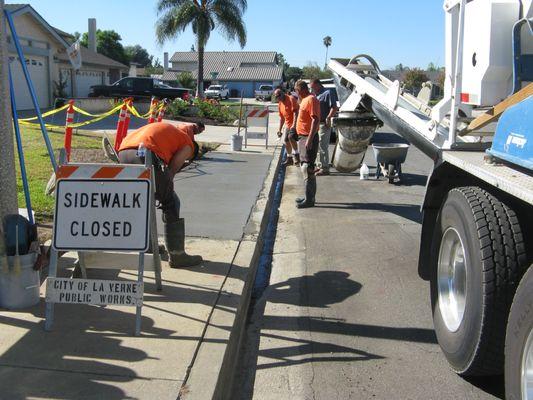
x=96 y=292
x=102 y=214
x=102 y=208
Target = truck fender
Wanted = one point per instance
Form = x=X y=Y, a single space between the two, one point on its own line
x=442 y=179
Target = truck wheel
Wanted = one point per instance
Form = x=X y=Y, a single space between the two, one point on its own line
x=519 y=343
x=478 y=257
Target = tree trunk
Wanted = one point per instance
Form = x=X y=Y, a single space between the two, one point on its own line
x=326 y=61
x=8 y=194
x=8 y=183
x=200 y=78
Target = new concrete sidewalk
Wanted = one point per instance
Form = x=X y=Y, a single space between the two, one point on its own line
x=190 y=331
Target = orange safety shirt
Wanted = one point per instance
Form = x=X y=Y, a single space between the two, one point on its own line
x=309 y=107
x=286 y=108
x=161 y=138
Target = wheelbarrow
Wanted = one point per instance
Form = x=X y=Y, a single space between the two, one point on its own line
x=390 y=157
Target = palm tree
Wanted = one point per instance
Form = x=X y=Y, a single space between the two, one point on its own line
x=203 y=16
x=327 y=43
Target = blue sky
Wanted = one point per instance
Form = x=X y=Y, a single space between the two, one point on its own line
x=392 y=31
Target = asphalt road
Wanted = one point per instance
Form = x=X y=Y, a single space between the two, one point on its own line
x=346 y=315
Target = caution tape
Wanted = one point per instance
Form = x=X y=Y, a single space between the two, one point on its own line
x=46 y=114
x=75 y=125
x=88 y=114
x=134 y=112
x=96 y=117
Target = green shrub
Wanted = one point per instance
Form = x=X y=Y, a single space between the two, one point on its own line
x=217 y=112
x=177 y=107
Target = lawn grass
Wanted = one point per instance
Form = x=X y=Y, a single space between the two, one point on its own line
x=39 y=169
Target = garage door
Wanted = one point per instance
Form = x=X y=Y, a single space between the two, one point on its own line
x=37 y=67
x=85 y=79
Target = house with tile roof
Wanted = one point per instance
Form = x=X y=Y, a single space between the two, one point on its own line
x=45 y=55
x=241 y=71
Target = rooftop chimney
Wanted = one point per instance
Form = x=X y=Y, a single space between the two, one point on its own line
x=165 y=61
x=92 y=34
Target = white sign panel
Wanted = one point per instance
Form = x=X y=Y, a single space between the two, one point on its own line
x=94 y=214
x=94 y=291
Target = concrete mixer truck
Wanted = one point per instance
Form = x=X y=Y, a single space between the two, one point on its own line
x=476 y=245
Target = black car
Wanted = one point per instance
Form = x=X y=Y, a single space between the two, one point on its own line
x=138 y=88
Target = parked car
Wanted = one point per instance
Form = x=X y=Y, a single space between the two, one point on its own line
x=264 y=92
x=138 y=87
x=217 y=92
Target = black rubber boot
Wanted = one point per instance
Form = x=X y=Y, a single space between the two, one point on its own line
x=175 y=242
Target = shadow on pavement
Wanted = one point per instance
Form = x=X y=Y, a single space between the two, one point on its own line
x=85 y=356
x=38 y=360
x=493 y=385
x=408 y=211
x=336 y=287
x=409 y=179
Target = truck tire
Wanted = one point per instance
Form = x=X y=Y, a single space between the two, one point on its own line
x=519 y=343
x=478 y=258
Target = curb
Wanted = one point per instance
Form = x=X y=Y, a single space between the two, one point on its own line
x=212 y=374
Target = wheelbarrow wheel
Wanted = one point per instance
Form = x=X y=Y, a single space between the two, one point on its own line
x=391 y=172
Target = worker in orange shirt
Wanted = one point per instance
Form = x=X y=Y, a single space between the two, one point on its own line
x=171 y=147
x=307 y=127
x=288 y=111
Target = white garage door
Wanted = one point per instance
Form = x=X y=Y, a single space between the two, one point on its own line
x=85 y=79
x=39 y=76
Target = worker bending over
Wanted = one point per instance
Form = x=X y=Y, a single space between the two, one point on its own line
x=288 y=111
x=172 y=147
x=307 y=128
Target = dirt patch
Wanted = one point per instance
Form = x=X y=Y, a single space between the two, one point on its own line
x=44 y=231
x=89 y=156
x=206 y=147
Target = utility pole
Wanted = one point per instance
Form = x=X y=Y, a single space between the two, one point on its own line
x=8 y=180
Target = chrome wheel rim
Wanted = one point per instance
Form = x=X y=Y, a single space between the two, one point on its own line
x=527 y=369
x=452 y=288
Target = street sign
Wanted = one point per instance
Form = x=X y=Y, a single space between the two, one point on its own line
x=94 y=291
x=256 y=117
x=102 y=207
x=102 y=214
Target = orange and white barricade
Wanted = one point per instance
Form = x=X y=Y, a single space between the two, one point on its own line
x=162 y=111
x=120 y=126
x=256 y=123
x=106 y=213
x=153 y=110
